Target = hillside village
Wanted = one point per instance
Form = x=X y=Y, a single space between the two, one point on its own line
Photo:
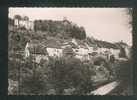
x=46 y=39
x=81 y=47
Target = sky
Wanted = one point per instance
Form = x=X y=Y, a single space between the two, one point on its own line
x=108 y=24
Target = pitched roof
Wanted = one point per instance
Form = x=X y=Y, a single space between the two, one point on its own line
x=68 y=50
x=37 y=48
x=104 y=44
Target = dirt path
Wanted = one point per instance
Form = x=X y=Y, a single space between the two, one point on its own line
x=103 y=90
x=124 y=76
x=123 y=85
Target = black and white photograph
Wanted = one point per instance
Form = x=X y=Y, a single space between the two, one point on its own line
x=69 y=51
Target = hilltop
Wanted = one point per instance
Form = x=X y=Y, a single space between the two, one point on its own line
x=50 y=33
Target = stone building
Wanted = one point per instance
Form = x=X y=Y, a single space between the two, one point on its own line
x=26 y=23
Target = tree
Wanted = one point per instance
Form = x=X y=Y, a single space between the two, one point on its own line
x=68 y=52
x=54 y=28
x=18 y=17
x=90 y=40
x=69 y=73
x=122 y=53
x=129 y=12
x=82 y=33
x=76 y=32
x=10 y=21
x=26 y=18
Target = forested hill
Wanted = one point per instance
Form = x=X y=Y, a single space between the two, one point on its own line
x=62 y=29
x=66 y=29
x=51 y=33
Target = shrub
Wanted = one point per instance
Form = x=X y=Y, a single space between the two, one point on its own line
x=58 y=74
x=34 y=84
x=122 y=53
x=71 y=73
x=55 y=28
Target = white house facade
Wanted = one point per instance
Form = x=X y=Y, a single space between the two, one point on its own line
x=24 y=23
x=54 y=52
x=27 y=52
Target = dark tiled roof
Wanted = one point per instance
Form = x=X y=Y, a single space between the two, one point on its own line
x=68 y=50
x=37 y=49
x=104 y=44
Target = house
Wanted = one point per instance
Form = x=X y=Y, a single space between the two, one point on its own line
x=51 y=51
x=27 y=52
x=78 y=56
x=53 y=48
x=128 y=52
x=19 y=23
x=109 y=51
x=65 y=21
x=39 y=57
x=82 y=51
x=74 y=41
x=30 y=25
x=70 y=43
x=127 y=48
x=37 y=51
x=68 y=52
x=82 y=54
x=54 y=52
x=83 y=57
x=115 y=52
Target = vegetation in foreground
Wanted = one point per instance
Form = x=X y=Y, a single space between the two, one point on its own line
x=60 y=76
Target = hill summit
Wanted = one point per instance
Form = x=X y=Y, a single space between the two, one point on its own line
x=63 y=29
x=56 y=33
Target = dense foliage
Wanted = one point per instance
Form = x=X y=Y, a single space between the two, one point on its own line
x=65 y=75
x=17 y=40
x=71 y=73
x=58 y=74
x=122 y=53
x=62 y=29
